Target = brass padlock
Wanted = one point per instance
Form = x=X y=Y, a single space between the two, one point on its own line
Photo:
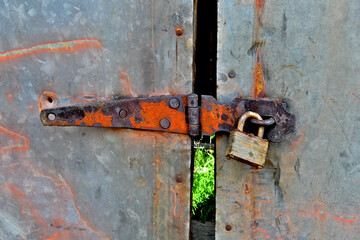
x=247 y=147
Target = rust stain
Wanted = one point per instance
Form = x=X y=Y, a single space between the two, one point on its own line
x=295 y=142
x=43 y=101
x=182 y=200
x=31 y=107
x=259 y=5
x=21 y=144
x=162 y=110
x=259 y=80
x=10 y=96
x=257 y=233
x=292 y=67
x=126 y=82
x=176 y=205
x=67 y=46
x=157 y=197
x=90 y=98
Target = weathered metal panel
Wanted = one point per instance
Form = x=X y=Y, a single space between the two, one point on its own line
x=305 y=52
x=89 y=183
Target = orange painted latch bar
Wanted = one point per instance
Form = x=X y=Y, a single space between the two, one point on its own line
x=175 y=113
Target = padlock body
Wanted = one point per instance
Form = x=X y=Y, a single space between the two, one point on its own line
x=247 y=148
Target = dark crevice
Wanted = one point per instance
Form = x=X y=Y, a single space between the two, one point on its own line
x=205 y=45
x=205 y=83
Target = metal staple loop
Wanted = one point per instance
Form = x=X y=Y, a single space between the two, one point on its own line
x=264 y=122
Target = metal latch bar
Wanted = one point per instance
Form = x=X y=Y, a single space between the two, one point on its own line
x=173 y=113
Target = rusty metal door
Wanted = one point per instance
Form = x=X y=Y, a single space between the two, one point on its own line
x=91 y=183
x=306 y=53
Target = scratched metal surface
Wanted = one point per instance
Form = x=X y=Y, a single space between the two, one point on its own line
x=88 y=183
x=307 y=54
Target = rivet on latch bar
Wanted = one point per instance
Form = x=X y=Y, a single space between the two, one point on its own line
x=164 y=123
x=174 y=103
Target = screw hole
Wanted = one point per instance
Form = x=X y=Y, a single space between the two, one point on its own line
x=228 y=227
x=179 y=31
x=50 y=100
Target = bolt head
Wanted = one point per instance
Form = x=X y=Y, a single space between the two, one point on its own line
x=232 y=74
x=174 y=103
x=178 y=178
x=164 y=123
x=122 y=113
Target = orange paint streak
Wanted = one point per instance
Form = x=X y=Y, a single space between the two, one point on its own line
x=67 y=46
x=346 y=218
x=10 y=96
x=31 y=107
x=177 y=207
x=16 y=193
x=259 y=11
x=86 y=221
x=68 y=194
x=26 y=206
x=259 y=81
x=259 y=3
x=95 y=118
x=265 y=198
x=22 y=143
x=317 y=210
x=162 y=110
x=126 y=82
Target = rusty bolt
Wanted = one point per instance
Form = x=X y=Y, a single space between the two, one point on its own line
x=228 y=227
x=178 y=178
x=164 y=123
x=123 y=113
x=51 y=116
x=232 y=74
x=174 y=103
x=179 y=31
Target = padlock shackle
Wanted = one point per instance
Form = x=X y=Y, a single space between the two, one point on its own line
x=247 y=115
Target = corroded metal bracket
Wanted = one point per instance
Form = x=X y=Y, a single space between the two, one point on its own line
x=174 y=113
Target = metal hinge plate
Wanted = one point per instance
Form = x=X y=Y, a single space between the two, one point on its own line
x=173 y=113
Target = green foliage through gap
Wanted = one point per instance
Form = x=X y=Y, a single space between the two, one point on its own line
x=203 y=203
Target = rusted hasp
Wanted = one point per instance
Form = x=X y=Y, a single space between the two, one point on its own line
x=176 y=113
